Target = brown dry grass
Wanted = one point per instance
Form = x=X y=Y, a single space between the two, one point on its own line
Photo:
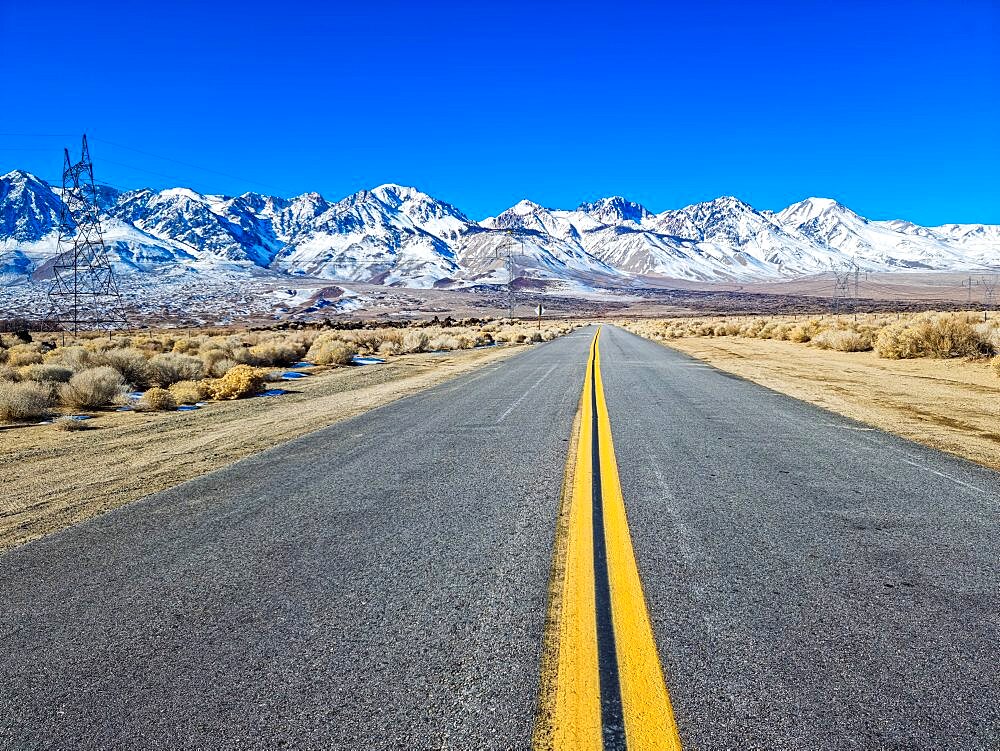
x=951 y=405
x=52 y=479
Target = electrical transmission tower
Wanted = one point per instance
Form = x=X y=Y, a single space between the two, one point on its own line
x=84 y=294
x=857 y=296
x=969 y=284
x=842 y=276
x=989 y=285
x=506 y=252
x=841 y=285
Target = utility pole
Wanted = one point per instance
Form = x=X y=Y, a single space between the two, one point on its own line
x=84 y=293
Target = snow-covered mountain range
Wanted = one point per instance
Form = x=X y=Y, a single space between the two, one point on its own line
x=399 y=236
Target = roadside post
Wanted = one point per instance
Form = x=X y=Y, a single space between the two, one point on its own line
x=539 y=310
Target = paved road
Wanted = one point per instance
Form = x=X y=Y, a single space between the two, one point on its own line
x=812 y=584
x=382 y=583
x=378 y=584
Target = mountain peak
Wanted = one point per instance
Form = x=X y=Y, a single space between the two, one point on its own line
x=614 y=210
x=22 y=176
x=394 y=194
x=524 y=207
x=427 y=212
x=29 y=208
x=186 y=193
x=810 y=208
x=523 y=214
x=310 y=197
x=729 y=202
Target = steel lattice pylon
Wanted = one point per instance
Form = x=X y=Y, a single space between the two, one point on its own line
x=84 y=294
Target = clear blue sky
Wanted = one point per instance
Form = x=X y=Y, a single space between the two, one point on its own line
x=893 y=108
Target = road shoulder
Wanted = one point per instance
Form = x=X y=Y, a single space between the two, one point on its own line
x=949 y=405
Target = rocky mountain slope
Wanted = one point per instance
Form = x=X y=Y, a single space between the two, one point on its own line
x=398 y=236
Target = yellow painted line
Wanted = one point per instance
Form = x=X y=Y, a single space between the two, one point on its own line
x=570 y=719
x=576 y=717
x=649 y=717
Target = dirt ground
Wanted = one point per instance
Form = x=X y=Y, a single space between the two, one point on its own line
x=951 y=405
x=51 y=479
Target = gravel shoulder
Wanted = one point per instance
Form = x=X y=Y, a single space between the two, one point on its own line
x=52 y=479
x=950 y=405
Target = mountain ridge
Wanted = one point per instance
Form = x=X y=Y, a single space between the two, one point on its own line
x=400 y=236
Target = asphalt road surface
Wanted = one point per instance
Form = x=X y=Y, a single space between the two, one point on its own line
x=383 y=583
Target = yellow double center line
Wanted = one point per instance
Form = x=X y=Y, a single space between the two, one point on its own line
x=603 y=686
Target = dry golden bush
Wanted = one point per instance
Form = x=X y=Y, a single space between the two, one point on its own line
x=442 y=343
x=954 y=336
x=146 y=345
x=930 y=335
x=995 y=363
x=276 y=353
x=102 y=345
x=93 y=388
x=327 y=350
x=215 y=344
x=240 y=382
x=24 y=354
x=161 y=359
x=156 y=400
x=368 y=341
x=843 y=340
x=389 y=348
x=29 y=400
x=170 y=367
x=186 y=345
x=241 y=355
x=462 y=341
x=220 y=367
x=216 y=362
x=191 y=392
x=511 y=334
x=391 y=336
x=75 y=357
x=915 y=335
x=45 y=373
x=800 y=334
x=415 y=341
x=69 y=425
x=132 y=364
x=989 y=334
